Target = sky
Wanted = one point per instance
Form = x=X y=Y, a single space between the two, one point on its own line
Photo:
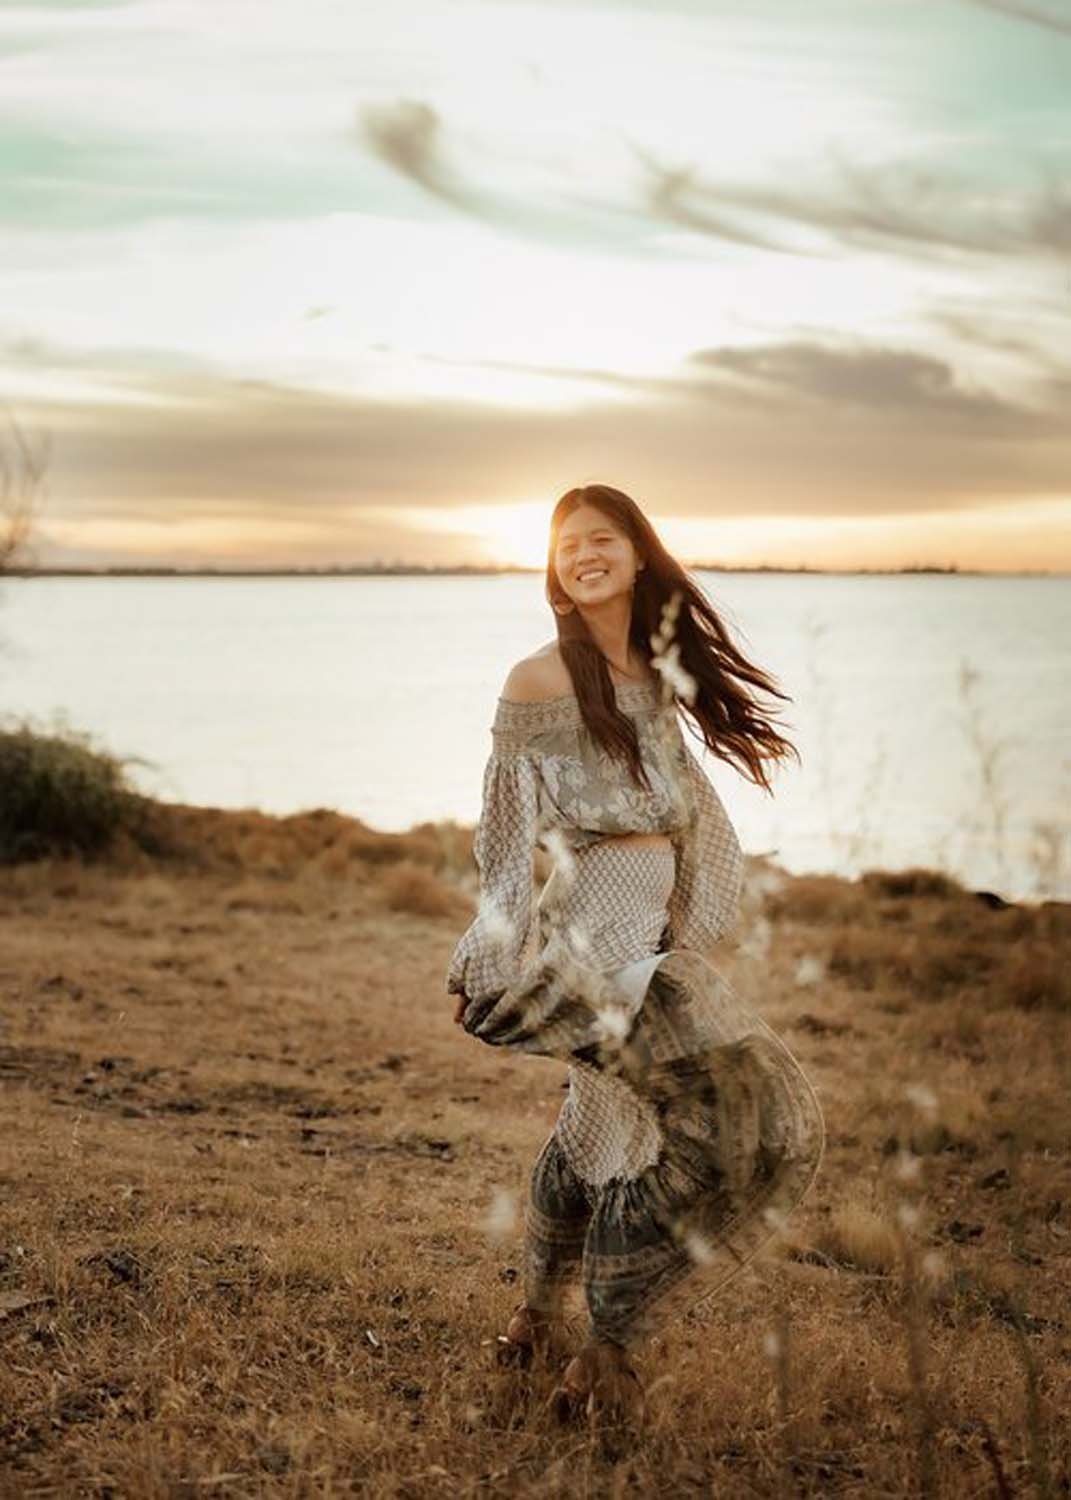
x=333 y=283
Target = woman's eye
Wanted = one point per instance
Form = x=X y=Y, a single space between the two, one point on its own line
x=570 y=547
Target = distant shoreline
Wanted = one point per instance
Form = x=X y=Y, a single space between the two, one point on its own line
x=473 y=570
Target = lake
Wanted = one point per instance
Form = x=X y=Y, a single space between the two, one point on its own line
x=932 y=712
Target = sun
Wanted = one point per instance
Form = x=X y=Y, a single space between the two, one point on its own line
x=510 y=535
x=507 y=535
x=516 y=533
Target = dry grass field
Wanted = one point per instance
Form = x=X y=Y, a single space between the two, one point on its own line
x=261 y=1197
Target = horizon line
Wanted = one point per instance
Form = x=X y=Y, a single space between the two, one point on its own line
x=494 y=569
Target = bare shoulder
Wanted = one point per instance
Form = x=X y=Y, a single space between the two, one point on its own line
x=538 y=677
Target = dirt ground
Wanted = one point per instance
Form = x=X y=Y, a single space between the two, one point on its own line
x=262 y=1201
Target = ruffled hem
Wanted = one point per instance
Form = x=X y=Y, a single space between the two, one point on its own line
x=742 y=1131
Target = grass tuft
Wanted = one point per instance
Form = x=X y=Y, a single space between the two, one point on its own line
x=410 y=887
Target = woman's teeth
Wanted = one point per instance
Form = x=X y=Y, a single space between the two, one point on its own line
x=586 y=577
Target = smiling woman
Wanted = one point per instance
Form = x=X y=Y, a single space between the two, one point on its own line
x=690 y=1131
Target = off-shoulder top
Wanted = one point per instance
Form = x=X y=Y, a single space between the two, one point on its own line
x=548 y=780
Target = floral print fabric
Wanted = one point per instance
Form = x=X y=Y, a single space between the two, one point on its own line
x=547 y=781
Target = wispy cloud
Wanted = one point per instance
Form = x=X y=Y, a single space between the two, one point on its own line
x=1001 y=329
x=82 y=6
x=898 y=204
x=1037 y=15
x=414 y=139
x=408 y=136
x=676 y=194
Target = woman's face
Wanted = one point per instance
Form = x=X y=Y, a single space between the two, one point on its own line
x=593 y=558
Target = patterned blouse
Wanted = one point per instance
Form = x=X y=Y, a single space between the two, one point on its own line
x=548 y=781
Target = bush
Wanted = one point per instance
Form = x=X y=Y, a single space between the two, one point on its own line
x=411 y=888
x=58 y=795
x=913 y=882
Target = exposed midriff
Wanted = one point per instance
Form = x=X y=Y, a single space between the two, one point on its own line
x=638 y=838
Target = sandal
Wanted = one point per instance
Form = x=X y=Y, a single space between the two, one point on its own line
x=527 y=1334
x=598 y=1381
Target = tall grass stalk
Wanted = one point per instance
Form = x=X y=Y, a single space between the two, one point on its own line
x=992 y=1452
x=1035 y=1431
x=778 y=1348
x=24 y=462
x=913 y=1305
x=820 y=697
x=1050 y=850
x=988 y=752
x=920 y=1100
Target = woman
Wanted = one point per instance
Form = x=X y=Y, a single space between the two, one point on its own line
x=689 y=1131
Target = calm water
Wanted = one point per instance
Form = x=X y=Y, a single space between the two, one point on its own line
x=932 y=713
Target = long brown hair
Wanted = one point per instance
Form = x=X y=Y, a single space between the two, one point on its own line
x=733 y=725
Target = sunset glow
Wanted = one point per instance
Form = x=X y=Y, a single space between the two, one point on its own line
x=385 y=295
x=512 y=534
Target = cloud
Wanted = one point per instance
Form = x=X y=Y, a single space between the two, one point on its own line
x=407 y=136
x=131 y=366
x=900 y=205
x=411 y=138
x=1050 y=221
x=986 y=332
x=666 y=197
x=795 y=429
x=80 y=6
x=1023 y=11
x=892 y=381
x=645 y=385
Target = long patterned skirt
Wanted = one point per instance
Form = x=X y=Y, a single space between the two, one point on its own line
x=690 y=1132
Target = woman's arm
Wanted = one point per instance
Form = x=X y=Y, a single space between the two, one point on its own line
x=492 y=950
x=705 y=903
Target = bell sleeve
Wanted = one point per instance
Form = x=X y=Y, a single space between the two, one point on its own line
x=497 y=945
x=705 y=902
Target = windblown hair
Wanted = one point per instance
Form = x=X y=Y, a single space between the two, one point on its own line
x=734 y=726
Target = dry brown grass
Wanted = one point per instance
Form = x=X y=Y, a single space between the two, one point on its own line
x=410 y=887
x=253 y=1239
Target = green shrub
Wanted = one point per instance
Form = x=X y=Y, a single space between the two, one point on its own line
x=58 y=795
